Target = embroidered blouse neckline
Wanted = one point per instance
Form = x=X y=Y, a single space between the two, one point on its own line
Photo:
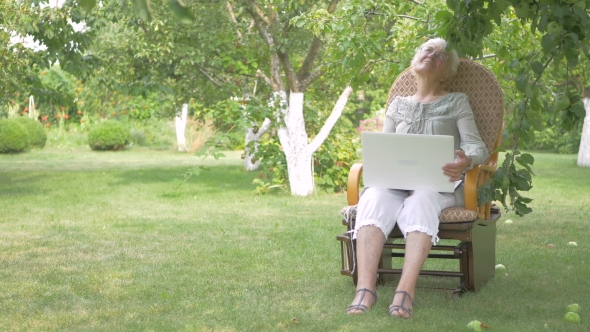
x=409 y=99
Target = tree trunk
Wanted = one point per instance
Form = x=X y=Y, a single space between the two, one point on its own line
x=584 y=152
x=253 y=135
x=293 y=138
x=180 y=127
x=32 y=110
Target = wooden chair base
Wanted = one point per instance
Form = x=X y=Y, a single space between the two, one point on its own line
x=475 y=251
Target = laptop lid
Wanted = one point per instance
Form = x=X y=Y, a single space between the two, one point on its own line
x=407 y=161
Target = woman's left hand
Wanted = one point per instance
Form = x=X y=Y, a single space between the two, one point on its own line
x=454 y=170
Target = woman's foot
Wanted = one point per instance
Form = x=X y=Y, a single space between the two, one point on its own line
x=363 y=301
x=402 y=305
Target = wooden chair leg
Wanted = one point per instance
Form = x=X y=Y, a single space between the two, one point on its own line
x=462 y=252
x=482 y=255
x=386 y=262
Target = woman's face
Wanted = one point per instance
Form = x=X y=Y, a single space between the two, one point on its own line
x=431 y=62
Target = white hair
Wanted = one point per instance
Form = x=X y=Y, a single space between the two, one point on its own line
x=440 y=45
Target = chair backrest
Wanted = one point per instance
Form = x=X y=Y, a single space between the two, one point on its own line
x=485 y=97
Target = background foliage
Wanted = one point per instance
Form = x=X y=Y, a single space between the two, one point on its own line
x=139 y=67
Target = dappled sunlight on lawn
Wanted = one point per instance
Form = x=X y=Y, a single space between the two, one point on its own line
x=82 y=160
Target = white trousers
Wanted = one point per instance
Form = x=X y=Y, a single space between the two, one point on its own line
x=414 y=211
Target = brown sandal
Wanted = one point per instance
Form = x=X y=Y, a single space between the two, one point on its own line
x=359 y=305
x=394 y=308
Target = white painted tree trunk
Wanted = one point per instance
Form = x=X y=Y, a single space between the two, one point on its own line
x=180 y=122
x=584 y=152
x=32 y=111
x=253 y=135
x=293 y=138
x=298 y=157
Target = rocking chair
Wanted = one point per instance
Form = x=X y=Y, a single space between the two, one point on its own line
x=473 y=227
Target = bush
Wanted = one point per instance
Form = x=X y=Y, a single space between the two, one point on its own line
x=36 y=133
x=332 y=161
x=108 y=135
x=13 y=136
x=137 y=136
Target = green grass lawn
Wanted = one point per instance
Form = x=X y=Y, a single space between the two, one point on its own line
x=102 y=241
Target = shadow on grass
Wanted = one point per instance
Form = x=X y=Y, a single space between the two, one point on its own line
x=218 y=177
x=20 y=184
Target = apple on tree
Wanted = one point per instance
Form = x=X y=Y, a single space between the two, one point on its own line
x=562 y=102
x=554 y=28
x=580 y=4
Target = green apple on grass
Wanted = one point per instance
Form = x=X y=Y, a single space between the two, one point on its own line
x=475 y=325
x=574 y=307
x=572 y=317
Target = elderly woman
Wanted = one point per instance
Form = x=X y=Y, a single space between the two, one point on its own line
x=432 y=110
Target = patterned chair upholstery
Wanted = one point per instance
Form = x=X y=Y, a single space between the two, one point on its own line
x=473 y=226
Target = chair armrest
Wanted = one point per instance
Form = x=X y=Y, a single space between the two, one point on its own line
x=473 y=179
x=354 y=183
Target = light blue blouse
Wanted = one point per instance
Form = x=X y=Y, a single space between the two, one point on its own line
x=448 y=115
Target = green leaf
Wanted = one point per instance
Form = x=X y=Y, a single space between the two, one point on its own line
x=537 y=67
x=87 y=5
x=578 y=110
x=444 y=15
x=522 y=185
x=528 y=158
x=548 y=42
x=181 y=11
x=521 y=208
x=522 y=81
x=571 y=54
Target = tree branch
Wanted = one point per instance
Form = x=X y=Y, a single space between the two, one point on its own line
x=261 y=74
x=276 y=83
x=211 y=79
x=259 y=12
x=312 y=54
x=265 y=127
x=266 y=37
x=233 y=18
x=332 y=6
x=314 y=50
x=292 y=79
x=412 y=18
x=331 y=121
x=311 y=77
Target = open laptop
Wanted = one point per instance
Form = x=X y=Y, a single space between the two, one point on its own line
x=407 y=161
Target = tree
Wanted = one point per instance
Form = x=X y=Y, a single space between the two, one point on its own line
x=303 y=42
x=58 y=40
x=558 y=34
x=308 y=41
x=584 y=153
x=345 y=42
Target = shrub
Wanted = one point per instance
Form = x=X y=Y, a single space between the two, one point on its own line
x=108 y=135
x=155 y=133
x=332 y=161
x=137 y=136
x=13 y=136
x=36 y=133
